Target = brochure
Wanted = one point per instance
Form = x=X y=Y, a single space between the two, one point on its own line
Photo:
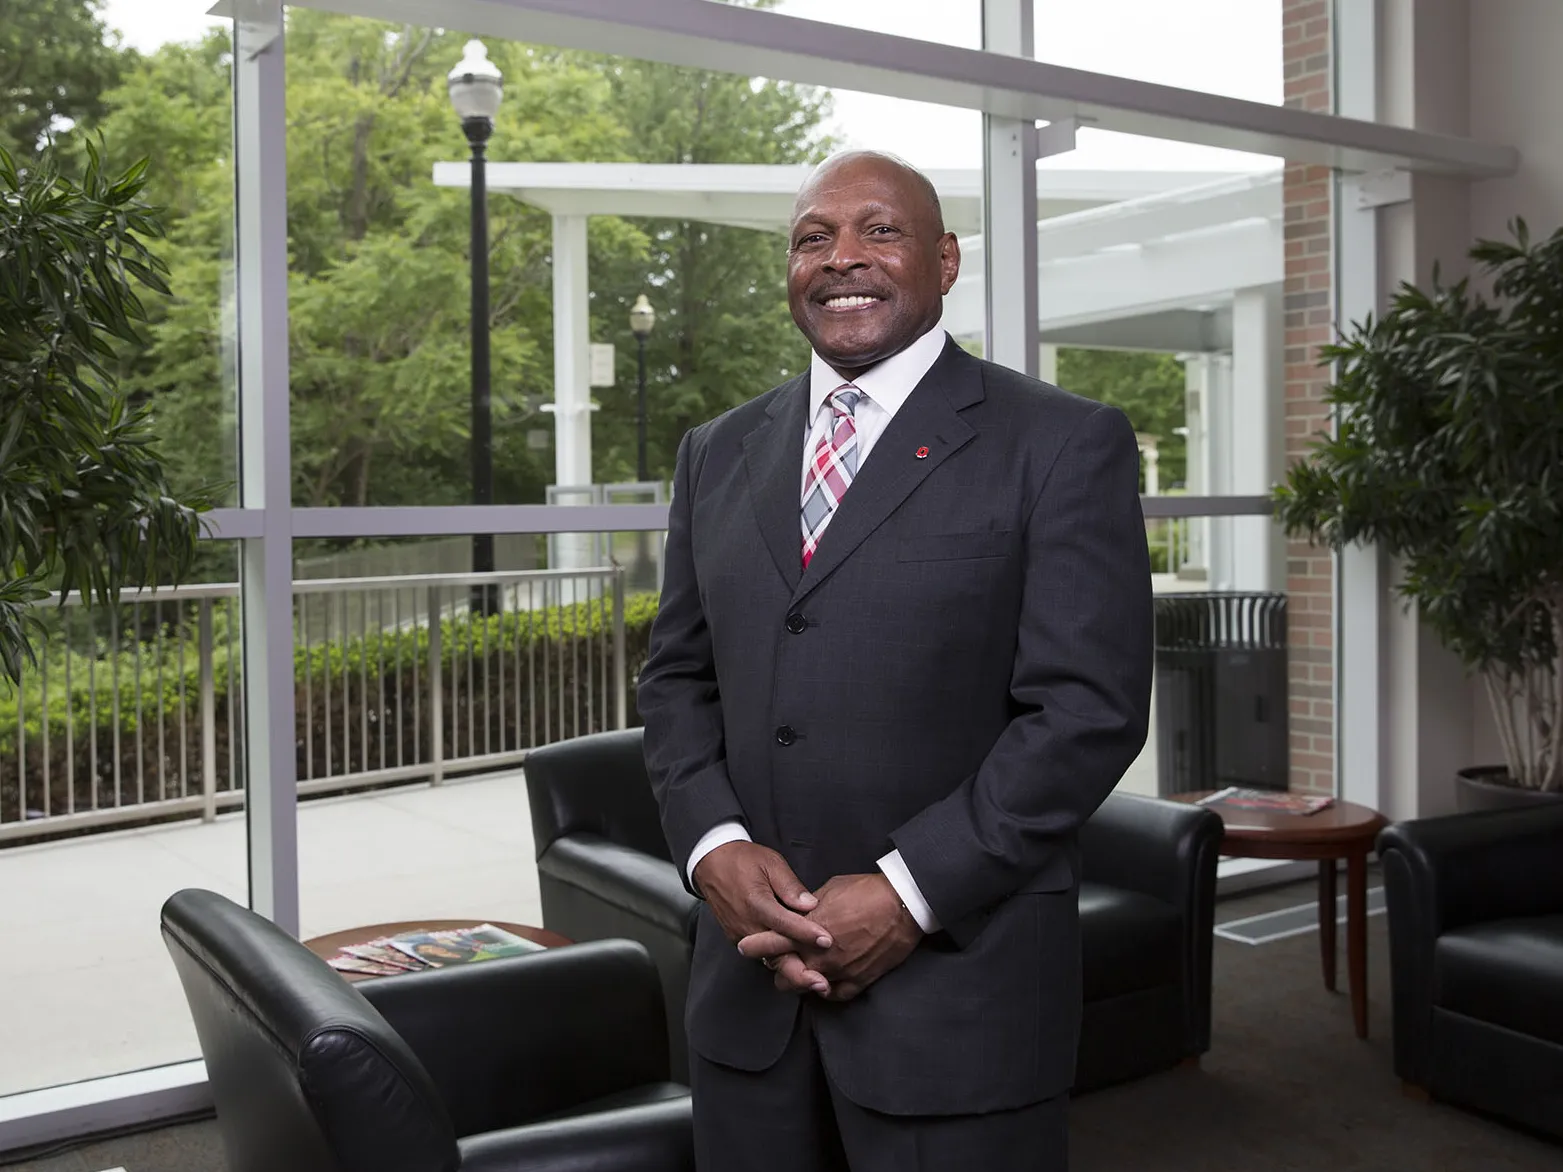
x=1236 y=797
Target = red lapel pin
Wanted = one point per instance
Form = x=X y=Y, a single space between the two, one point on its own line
x=922 y=453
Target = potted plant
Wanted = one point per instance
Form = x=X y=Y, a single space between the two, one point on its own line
x=84 y=502
x=1448 y=453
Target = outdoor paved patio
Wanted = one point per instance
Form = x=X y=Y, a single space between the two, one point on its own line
x=88 y=988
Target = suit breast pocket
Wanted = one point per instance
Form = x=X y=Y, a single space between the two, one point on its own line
x=968 y=545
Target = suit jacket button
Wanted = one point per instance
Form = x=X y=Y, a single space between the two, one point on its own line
x=785 y=735
x=796 y=623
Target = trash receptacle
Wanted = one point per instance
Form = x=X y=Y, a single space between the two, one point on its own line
x=1221 y=682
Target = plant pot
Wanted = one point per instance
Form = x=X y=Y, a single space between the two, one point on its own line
x=1487 y=787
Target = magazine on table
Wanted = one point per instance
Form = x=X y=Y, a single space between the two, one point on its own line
x=411 y=951
x=1236 y=797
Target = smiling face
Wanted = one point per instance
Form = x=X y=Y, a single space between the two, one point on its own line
x=868 y=261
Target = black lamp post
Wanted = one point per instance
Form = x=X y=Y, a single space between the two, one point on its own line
x=642 y=319
x=475 y=91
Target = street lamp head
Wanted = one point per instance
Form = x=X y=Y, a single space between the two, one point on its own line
x=476 y=85
x=642 y=317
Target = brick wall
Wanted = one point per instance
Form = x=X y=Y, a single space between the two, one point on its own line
x=1310 y=571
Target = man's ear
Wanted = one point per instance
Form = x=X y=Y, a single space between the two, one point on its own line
x=949 y=261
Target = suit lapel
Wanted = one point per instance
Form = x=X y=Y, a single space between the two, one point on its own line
x=928 y=419
x=773 y=456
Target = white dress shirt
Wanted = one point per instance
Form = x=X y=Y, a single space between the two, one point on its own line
x=884 y=388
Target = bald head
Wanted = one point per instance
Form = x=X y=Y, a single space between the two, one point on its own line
x=868 y=259
x=876 y=159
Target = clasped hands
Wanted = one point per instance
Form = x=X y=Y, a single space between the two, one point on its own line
x=835 y=942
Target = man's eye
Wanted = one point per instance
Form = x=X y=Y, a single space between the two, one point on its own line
x=881 y=229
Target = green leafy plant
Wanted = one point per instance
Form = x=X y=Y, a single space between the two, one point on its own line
x=83 y=496
x=1449 y=455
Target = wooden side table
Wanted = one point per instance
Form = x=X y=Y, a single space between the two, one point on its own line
x=1344 y=830
x=329 y=945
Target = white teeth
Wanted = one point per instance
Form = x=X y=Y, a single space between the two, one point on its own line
x=849 y=302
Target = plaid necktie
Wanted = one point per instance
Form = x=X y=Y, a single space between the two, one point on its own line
x=832 y=468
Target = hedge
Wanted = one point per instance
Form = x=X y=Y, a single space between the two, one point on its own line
x=330 y=689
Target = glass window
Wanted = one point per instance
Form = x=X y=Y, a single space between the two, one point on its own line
x=121 y=752
x=121 y=782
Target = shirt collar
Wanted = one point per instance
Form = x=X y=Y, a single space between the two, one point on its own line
x=888 y=383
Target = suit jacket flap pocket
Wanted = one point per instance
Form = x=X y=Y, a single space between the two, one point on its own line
x=977 y=543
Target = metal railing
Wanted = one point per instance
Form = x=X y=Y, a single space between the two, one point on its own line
x=136 y=712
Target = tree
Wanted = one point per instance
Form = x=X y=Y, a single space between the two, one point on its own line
x=379 y=265
x=56 y=61
x=724 y=333
x=1149 y=388
x=83 y=494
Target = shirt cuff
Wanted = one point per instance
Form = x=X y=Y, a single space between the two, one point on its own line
x=900 y=877
x=719 y=835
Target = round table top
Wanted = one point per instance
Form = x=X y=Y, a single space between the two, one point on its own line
x=332 y=943
x=1341 y=823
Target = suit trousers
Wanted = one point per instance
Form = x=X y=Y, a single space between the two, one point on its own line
x=792 y=1117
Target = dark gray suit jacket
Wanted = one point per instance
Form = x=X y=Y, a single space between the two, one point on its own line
x=962 y=673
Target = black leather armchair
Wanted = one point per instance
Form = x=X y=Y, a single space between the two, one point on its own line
x=1147 y=901
x=550 y=1061
x=1476 y=959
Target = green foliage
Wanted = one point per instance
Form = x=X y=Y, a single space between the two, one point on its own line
x=1449 y=455
x=56 y=61
x=83 y=493
x=379 y=271
x=1148 y=388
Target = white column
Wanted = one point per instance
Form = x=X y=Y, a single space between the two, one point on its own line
x=1219 y=564
x=1196 y=370
x=1009 y=206
x=1408 y=713
x=572 y=392
x=266 y=484
x=1047 y=364
x=1256 y=434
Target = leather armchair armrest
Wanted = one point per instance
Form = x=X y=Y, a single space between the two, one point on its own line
x=654 y=1138
x=1155 y=847
x=513 y=1039
x=1446 y=872
x=643 y=887
x=1490 y=865
x=1168 y=850
x=594 y=784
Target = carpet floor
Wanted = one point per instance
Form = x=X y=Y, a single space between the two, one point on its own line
x=1286 y=1087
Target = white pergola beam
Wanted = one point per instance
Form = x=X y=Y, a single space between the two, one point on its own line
x=756 y=43
x=1176 y=273
x=760 y=195
x=1159 y=216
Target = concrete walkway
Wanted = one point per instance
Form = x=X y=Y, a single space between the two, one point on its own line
x=86 y=986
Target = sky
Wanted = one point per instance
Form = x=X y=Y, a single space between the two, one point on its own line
x=1230 y=47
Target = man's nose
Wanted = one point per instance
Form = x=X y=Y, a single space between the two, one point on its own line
x=846 y=253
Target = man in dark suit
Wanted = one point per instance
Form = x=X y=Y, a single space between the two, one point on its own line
x=903 y=652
